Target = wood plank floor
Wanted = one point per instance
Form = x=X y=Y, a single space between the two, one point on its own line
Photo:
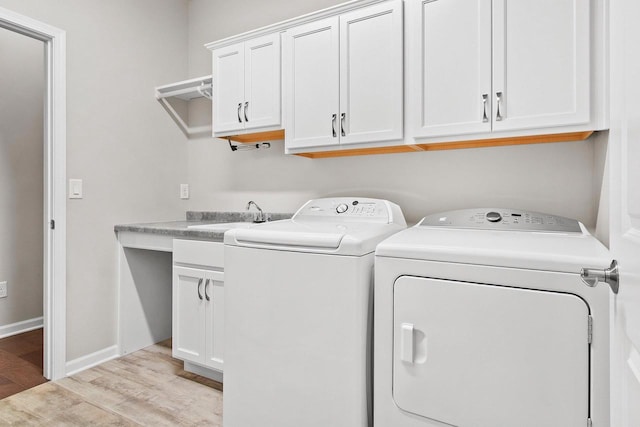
x=147 y=388
x=20 y=362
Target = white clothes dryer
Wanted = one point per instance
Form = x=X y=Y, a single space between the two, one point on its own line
x=482 y=320
x=298 y=315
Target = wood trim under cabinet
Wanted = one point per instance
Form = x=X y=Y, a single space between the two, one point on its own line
x=250 y=138
x=479 y=143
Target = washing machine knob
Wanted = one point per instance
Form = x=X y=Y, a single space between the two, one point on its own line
x=493 y=217
x=342 y=208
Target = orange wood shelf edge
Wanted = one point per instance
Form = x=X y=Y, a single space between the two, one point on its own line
x=478 y=143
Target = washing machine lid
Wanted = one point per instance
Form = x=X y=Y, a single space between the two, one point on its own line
x=341 y=226
x=477 y=236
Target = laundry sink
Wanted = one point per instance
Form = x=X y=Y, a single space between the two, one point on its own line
x=220 y=226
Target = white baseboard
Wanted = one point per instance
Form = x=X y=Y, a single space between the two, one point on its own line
x=20 y=327
x=212 y=374
x=91 y=360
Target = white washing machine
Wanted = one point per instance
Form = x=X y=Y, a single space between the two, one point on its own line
x=482 y=320
x=298 y=315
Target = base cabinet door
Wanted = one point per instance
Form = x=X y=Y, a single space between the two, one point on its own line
x=188 y=314
x=214 y=296
x=198 y=316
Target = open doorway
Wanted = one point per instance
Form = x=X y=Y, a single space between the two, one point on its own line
x=52 y=218
x=22 y=84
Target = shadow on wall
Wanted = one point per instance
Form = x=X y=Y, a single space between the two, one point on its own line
x=556 y=178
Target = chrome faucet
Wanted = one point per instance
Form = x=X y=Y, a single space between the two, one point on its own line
x=259 y=216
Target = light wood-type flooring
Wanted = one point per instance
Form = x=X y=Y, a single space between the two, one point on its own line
x=147 y=388
x=20 y=362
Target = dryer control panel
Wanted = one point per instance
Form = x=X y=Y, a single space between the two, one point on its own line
x=502 y=219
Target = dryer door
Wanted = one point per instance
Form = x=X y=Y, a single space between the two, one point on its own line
x=490 y=356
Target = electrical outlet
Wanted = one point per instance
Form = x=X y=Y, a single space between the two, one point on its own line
x=184 y=191
x=3 y=289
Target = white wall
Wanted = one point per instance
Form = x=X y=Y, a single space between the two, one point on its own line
x=556 y=178
x=131 y=156
x=22 y=74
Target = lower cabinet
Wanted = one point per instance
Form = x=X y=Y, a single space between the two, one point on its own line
x=198 y=308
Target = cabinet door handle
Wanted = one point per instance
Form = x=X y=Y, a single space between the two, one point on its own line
x=342 y=117
x=246 y=110
x=333 y=125
x=239 y=107
x=206 y=285
x=485 y=99
x=199 y=284
x=498 y=102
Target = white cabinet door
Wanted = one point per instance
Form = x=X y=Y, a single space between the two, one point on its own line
x=262 y=82
x=449 y=75
x=214 y=296
x=371 y=80
x=228 y=88
x=188 y=314
x=540 y=63
x=311 y=92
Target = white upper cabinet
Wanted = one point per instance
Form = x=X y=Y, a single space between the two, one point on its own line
x=540 y=63
x=262 y=82
x=228 y=88
x=497 y=65
x=450 y=65
x=343 y=78
x=312 y=76
x=246 y=86
x=371 y=74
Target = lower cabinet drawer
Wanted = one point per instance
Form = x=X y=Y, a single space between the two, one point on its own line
x=197 y=252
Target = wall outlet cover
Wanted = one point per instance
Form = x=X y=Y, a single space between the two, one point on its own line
x=3 y=289
x=184 y=191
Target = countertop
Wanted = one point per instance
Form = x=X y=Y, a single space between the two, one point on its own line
x=180 y=228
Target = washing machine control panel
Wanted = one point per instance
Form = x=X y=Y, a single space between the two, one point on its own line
x=350 y=208
x=502 y=219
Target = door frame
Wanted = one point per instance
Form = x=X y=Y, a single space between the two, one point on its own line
x=55 y=141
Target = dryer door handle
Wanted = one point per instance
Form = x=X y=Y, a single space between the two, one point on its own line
x=406 y=343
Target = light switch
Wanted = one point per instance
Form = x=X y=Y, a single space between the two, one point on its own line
x=184 y=191
x=75 y=189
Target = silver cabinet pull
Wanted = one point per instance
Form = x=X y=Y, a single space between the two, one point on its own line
x=342 y=117
x=239 y=107
x=498 y=102
x=206 y=285
x=246 y=110
x=199 y=284
x=333 y=125
x=485 y=99
x=610 y=276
